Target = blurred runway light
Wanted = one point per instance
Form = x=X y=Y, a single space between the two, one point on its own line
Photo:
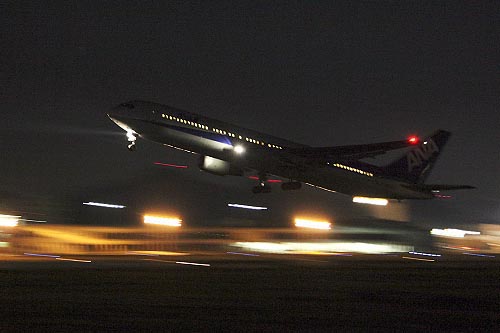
x=105 y=205
x=35 y=221
x=75 y=260
x=478 y=255
x=371 y=201
x=41 y=255
x=321 y=188
x=322 y=247
x=157 y=253
x=304 y=223
x=160 y=220
x=235 y=205
x=425 y=254
x=419 y=259
x=9 y=220
x=457 y=233
x=159 y=260
x=244 y=254
x=143 y=253
x=191 y=263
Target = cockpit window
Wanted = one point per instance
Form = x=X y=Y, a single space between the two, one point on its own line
x=128 y=105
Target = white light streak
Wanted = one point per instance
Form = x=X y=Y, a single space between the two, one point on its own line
x=191 y=263
x=371 y=201
x=235 y=205
x=105 y=205
x=167 y=221
x=75 y=260
x=425 y=254
x=321 y=188
x=36 y=221
x=41 y=255
x=303 y=223
x=9 y=220
x=322 y=247
x=456 y=233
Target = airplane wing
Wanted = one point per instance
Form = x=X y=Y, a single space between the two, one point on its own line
x=352 y=152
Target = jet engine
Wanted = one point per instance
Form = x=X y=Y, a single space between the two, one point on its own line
x=218 y=167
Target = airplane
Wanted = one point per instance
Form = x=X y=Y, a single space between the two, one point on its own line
x=227 y=149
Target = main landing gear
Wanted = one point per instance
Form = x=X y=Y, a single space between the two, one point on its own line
x=262 y=187
x=131 y=139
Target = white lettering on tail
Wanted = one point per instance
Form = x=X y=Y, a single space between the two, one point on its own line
x=421 y=154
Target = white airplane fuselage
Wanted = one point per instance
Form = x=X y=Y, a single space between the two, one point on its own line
x=248 y=149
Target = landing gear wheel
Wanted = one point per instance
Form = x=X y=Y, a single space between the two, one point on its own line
x=131 y=146
x=261 y=189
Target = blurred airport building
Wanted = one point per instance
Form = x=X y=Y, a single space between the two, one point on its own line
x=160 y=233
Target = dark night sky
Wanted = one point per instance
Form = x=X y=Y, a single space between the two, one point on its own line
x=315 y=72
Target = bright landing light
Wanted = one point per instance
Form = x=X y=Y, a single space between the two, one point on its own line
x=239 y=149
x=246 y=206
x=9 y=220
x=168 y=221
x=303 y=223
x=105 y=205
x=371 y=201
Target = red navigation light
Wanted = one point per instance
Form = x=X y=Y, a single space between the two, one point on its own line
x=413 y=139
x=171 y=165
x=269 y=180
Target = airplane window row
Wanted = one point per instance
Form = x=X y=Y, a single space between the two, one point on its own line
x=128 y=105
x=218 y=131
x=345 y=167
x=180 y=120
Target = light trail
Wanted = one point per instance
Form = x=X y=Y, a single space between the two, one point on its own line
x=191 y=263
x=235 y=205
x=74 y=260
x=41 y=255
x=171 y=165
x=104 y=205
x=420 y=259
x=160 y=220
x=303 y=223
x=371 y=201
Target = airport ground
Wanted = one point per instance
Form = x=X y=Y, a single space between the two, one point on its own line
x=236 y=292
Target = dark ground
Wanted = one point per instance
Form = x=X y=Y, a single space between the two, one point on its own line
x=237 y=293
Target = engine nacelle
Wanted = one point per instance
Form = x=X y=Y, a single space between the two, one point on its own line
x=218 y=167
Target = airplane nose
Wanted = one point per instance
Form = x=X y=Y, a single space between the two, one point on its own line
x=124 y=109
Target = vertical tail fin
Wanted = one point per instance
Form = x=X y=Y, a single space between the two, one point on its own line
x=417 y=163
